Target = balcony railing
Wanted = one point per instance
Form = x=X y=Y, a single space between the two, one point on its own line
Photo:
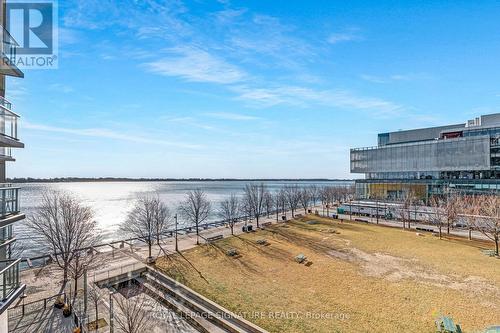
x=6 y=234
x=8 y=119
x=5 y=103
x=9 y=200
x=8 y=54
x=9 y=278
x=5 y=153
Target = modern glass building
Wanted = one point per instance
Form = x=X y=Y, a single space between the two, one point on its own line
x=428 y=161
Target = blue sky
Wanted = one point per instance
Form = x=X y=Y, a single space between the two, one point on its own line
x=249 y=89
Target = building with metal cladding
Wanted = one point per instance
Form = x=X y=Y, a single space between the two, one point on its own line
x=436 y=160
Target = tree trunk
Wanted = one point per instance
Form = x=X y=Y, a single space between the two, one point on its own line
x=470 y=234
x=496 y=246
x=440 y=232
x=232 y=228
x=197 y=235
x=257 y=219
x=76 y=286
x=96 y=316
x=448 y=227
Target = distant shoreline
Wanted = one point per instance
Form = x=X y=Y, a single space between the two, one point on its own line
x=112 y=179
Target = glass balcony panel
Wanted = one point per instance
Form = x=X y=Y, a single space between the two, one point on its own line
x=8 y=119
x=5 y=233
x=8 y=54
x=9 y=200
x=9 y=278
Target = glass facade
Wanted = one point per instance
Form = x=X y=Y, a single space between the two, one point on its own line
x=431 y=161
x=430 y=156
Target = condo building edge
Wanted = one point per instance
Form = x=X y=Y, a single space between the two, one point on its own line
x=11 y=289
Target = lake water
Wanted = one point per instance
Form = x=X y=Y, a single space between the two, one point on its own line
x=111 y=201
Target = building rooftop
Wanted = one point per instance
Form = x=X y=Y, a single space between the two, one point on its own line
x=432 y=133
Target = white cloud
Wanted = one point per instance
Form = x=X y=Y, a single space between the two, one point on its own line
x=231 y=116
x=301 y=96
x=107 y=133
x=59 y=87
x=345 y=36
x=395 y=77
x=196 y=65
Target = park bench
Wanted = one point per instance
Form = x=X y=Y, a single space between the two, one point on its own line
x=425 y=229
x=266 y=224
x=214 y=238
x=361 y=220
x=247 y=228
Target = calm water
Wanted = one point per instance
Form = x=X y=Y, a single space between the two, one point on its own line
x=112 y=201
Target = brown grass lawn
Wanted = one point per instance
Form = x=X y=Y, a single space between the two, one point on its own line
x=363 y=278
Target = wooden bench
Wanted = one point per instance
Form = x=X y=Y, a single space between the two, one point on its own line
x=425 y=229
x=266 y=224
x=361 y=220
x=214 y=238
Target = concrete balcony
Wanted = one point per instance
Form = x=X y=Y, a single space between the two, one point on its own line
x=6 y=154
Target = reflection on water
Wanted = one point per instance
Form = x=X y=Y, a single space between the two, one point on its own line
x=111 y=201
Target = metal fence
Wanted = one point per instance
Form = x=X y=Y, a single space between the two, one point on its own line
x=32 y=307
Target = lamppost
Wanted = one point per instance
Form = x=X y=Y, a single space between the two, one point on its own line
x=111 y=313
x=176 y=246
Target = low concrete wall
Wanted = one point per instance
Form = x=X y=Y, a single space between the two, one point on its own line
x=231 y=317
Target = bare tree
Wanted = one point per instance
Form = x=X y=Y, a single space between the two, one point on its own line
x=305 y=199
x=229 y=211
x=280 y=202
x=148 y=220
x=438 y=215
x=293 y=197
x=196 y=209
x=488 y=223
x=132 y=315
x=314 y=194
x=254 y=199
x=65 y=227
x=162 y=219
x=407 y=200
x=94 y=296
x=83 y=261
x=451 y=208
x=268 y=202
x=470 y=211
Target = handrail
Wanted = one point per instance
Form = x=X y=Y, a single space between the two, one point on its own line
x=8 y=186
x=419 y=143
x=5 y=103
x=15 y=262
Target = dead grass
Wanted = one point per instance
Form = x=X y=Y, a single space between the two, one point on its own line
x=361 y=278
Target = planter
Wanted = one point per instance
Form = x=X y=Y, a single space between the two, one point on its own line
x=67 y=310
x=59 y=303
